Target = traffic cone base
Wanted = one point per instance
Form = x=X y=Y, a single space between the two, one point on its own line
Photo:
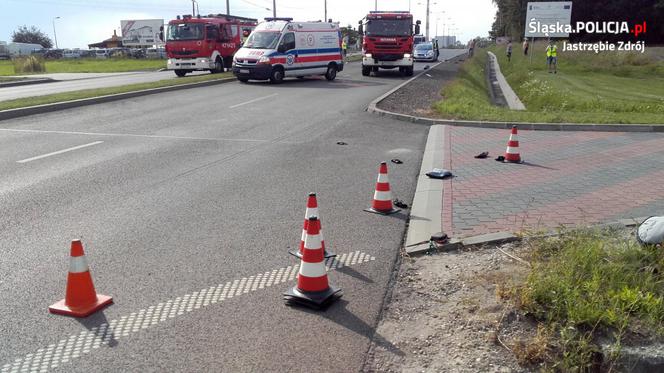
x=61 y=308
x=316 y=300
x=326 y=254
x=382 y=212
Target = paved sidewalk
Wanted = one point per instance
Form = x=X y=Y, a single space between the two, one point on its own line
x=568 y=179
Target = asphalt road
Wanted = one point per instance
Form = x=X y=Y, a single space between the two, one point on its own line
x=182 y=199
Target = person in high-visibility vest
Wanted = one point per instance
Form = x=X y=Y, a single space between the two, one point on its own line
x=552 y=58
x=344 y=47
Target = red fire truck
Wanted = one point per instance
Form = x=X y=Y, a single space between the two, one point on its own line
x=205 y=43
x=387 y=41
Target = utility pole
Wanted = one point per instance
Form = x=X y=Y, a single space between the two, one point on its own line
x=274 y=8
x=228 y=7
x=55 y=36
x=193 y=8
x=427 y=35
x=325 y=18
x=376 y=5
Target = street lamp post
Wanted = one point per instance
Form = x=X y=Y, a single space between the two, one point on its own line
x=228 y=7
x=274 y=8
x=55 y=36
x=325 y=19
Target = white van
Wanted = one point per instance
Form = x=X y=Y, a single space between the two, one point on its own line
x=279 y=47
x=69 y=53
x=101 y=53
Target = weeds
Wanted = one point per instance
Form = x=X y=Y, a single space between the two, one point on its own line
x=587 y=284
x=27 y=65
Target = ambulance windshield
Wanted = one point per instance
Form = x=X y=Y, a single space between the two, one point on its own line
x=263 y=40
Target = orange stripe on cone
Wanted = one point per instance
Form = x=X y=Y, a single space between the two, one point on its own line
x=81 y=299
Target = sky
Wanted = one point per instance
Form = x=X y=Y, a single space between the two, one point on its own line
x=83 y=22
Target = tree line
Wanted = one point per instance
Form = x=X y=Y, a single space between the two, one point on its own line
x=511 y=19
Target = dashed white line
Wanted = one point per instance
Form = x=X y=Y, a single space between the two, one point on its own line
x=76 y=345
x=252 y=101
x=59 y=152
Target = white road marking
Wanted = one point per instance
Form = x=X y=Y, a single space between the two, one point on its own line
x=59 y=152
x=252 y=101
x=131 y=135
x=78 y=344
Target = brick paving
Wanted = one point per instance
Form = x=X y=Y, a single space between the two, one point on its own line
x=568 y=179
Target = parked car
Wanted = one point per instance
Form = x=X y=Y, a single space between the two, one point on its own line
x=425 y=52
x=71 y=53
x=155 y=53
x=87 y=53
x=137 y=53
x=102 y=53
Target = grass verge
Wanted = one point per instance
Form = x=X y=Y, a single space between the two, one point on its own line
x=88 y=93
x=585 y=287
x=87 y=65
x=605 y=88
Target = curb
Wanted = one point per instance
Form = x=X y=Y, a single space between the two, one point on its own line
x=27 y=82
x=532 y=126
x=505 y=237
x=47 y=108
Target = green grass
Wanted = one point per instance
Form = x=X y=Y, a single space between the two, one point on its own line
x=588 y=284
x=111 y=65
x=76 y=95
x=589 y=88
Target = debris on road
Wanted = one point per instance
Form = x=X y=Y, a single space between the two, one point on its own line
x=400 y=203
x=482 y=155
x=341 y=143
x=439 y=173
x=397 y=161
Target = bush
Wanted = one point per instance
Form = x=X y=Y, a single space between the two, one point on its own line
x=28 y=65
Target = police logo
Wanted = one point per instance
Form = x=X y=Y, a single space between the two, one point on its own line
x=290 y=59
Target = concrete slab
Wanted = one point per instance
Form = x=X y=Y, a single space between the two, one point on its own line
x=490 y=238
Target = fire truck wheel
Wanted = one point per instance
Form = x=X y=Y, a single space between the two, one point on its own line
x=408 y=71
x=366 y=70
x=277 y=75
x=331 y=72
x=218 y=66
x=180 y=73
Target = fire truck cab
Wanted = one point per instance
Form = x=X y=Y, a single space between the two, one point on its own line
x=387 y=41
x=205 y=43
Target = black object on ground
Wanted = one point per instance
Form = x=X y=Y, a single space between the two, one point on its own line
x=439 y=173
x=482 y=155
x=400 y=203
x=341 y=143
x=500 y=158
x=397 y=161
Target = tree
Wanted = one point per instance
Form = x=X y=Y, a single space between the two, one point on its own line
x=31 y=35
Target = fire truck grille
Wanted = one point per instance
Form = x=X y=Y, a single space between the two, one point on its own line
x=185 y=53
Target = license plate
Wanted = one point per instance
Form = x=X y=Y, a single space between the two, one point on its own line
x=244 y=71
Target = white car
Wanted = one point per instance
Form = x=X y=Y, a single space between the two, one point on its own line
x=425 y=52
x=69 y=53
x=101 y=53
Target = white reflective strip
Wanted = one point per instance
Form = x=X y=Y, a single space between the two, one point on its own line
x=511 y=150
x=304 y=234
x=382 y=178
x=312 y=242
x=312 y=269
x=514 y=137
x=383 y=196
x=78 y=264
x=311 y=212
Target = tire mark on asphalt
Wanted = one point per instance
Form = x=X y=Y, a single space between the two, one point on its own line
x=107 y=333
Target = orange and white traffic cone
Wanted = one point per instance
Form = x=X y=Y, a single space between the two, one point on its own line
x=382 y=200
x=312 y=210
x=313 y=289
x=81 y=300
x=512 y=152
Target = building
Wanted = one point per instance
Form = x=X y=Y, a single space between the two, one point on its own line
x=114 y=42
x=446 y=41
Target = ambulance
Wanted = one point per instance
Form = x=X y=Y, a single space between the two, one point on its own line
x=279 y=48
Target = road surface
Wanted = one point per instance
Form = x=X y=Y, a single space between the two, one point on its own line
x=187 y=203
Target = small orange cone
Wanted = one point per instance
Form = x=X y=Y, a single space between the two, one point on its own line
x=382 y=200
x=512 y=152
x=312 y=210
x=313 y=289
x=81 y=300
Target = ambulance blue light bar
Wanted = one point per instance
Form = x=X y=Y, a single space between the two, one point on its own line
x=271 y=19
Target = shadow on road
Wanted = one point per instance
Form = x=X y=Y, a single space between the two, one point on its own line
x=99 y=325
x=537 y=165
x=353 y=273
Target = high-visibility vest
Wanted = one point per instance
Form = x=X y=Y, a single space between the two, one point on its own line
x=343 y=44
x=552 y=51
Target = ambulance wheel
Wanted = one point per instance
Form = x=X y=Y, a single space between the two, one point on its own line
x=331 y=72
x=277 y=75
x=366 y=70
x=180 y=73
